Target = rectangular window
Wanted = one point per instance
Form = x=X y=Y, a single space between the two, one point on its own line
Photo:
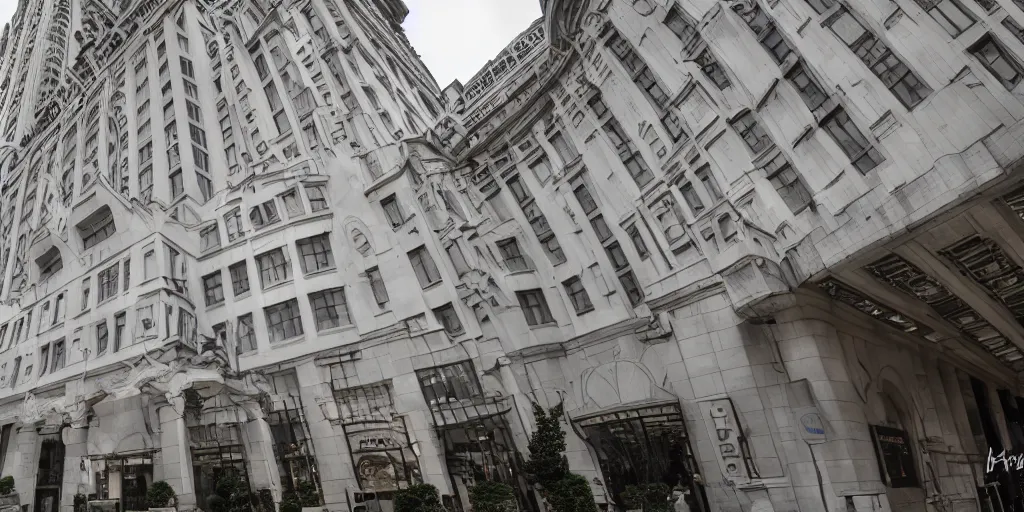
x=751 y=132
x=628 y=153
x=44 y=359
x=710 y=185
x=392 y=212
x=284 y=321
x=541 y=169
x=97 y=228
x=317 y=197
x=177 y=185
x=330 y=308
x=213 y=288
x=273 y=267
x=264 y=215
x=578 y=295
x=896 y=76
x=209 y=238
x=448 y=318
x=535 y=307
x=233 y=223
x=246 y=334
x=638 y=241
x=949 y=14
x=186 y=68
x=149 y=265
x=108 y=282
x=127 y=273
x=787 y=183
x=765 y=31
x=691 y=39
x=820 y=6
x=101 y=338
x=120 y=321
x=197 y=134
x=292 y=203
x=423 y=266
x=58 y=356
x=315 y=253
x=513 y=257
x=849 y=138
x=998 y=61
x=632 y=288
x=380 y=292
x=810 y=92
x=563 y=148
x=239 y=278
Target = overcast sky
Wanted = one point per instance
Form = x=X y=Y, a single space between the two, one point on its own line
x=454 y=37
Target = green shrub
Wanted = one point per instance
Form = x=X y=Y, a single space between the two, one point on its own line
x=80 y=503
x=647 y=497
x=571 y=494
x=6 y=485
x=304 y=495
x=159 y=495
x=232 y=495
x=492 y=497
x=418 y=498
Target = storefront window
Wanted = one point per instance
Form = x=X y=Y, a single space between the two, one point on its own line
x=292 y=446
x=125 y=479
x=641 y=447
x=217 y=452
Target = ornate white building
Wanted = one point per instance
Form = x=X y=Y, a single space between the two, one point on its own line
x=767 y=251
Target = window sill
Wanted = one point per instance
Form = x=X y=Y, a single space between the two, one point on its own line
x=336 y=330
x=544 y=325
x=243 y=295
x=83 y=313
x=431 y=286
x=317 y=273
x=585 y=311
x=217 y=305
x=522 y=272
x=384 y=310
x=288 y=342
x=277 y=285
x=265 y=226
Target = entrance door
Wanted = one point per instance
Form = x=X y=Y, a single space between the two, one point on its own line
x=50 y=474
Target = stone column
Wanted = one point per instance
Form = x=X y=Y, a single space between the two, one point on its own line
x=75 y=453
x=259 y=448
x=175 y=456
x=332 y=457
x=26 y=464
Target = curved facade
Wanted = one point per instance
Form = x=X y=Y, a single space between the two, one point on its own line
x=766 y=252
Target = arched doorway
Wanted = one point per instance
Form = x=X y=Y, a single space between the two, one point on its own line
x=898 y=460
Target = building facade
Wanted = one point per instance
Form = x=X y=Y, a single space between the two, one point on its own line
x=768 y=252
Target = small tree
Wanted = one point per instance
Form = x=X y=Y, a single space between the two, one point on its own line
x=304 y=495
x=648 y=497
x=159 y=495
x=549 y=467
x=6 y=485
x=418 y=498
x=492 y=497
x=232 y=495
x=80 y=503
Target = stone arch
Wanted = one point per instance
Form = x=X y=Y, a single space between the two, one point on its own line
x=619 y=383
x=894 y=407
x=359 y=236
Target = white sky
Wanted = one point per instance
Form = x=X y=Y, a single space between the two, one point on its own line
x=454 y=37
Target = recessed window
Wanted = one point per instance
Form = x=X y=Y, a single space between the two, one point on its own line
x=317 y=197
x=765 y=31
x=392 y=211
x=273 y=267
x=810 y=92
x=541 y=169
x=998 y=61
x=58 y=356
x=149 y=265
x=634 y=293
x=97 y=227
x=949 y=14
x=284 y=321
x=120 y=321
x=213 y=288
x=49 y=263
x=233 y=223
x=578 y=295
x=853 y=143
x=127 y=273
x=638 y=241
x=264 y=215
x=292 y=203
x=787 y=183
x=330 y=308
x=423 y=266
x=177 y=184
x=239 y=278
x=448 y=318
x=710 y=185
x=209 y=238
x=512 y=255
x=44 y=359
x=535 y=307
x=315 y=253
x=380 y=292
x=246 y=334
x=101 y=337
x=752 y=133
x=107 y=282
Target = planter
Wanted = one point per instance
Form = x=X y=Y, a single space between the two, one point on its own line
x=12 y=499
x=314 y=509
x=163 y=509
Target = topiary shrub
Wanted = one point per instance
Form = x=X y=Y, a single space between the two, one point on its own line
x=647 y=497
x=159 y=495
x=571 y=494
x=80 y=503
x=418 y=498
x=548 y=466
x=493 y=497
x=6 y=485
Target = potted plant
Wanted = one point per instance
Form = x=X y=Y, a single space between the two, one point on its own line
x=493 y=497
x=161 y=497
x=418 y=498
x=8 y=497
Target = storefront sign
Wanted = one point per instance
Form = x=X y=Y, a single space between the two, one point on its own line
x=726 y=436
x=895 y=458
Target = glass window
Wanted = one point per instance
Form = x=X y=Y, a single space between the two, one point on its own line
x=949 y=14
x=273 y=267
x=317 y=197
x=788 y=184
x=423 y=266
x=512 y=255
x=578 y=295
x=264 y=214
x=284 y=321
x=246 y=334
x=535 y=307
x=233 y=222
x=108 y=282
x=448 y=318
x=998 y=61
x=392 y=211
x=209 y=238
x=753 y=135
x=849 y=138
x=239 y=278
x=330 y=308
x=380 y=292
x=638 y=241
x=810 y=92
x=315 y=253
x=101 y=337
x=213 y=288
x=292 y=203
